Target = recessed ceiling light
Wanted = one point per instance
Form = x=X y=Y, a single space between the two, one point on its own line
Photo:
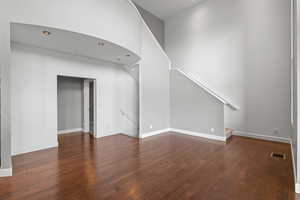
x=46 y=33
x=101 y=44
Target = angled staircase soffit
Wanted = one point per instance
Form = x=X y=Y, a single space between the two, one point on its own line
x=207 y=89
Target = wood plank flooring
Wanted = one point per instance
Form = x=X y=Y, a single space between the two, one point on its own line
x=169 y=167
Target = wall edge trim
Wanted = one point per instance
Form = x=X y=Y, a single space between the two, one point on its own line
x=70 y=131
x=6 y=172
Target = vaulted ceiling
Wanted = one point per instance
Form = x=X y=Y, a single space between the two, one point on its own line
x=166 y=8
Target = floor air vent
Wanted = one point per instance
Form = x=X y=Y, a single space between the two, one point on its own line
x=278 y=155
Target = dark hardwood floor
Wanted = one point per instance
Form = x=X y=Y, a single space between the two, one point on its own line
x=169 y=166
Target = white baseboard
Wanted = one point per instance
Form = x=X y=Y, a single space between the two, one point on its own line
x=5 y=172
x=130 y=134
x=297 y=187
x=153 y=133
x=185 y=132
x=84 y=130
x=36 y=148
x=202 y=135
x=261 y=136
x=228 y=135
x=293 y=163
x=70 y=131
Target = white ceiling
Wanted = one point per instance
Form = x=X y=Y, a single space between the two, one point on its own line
x=166 y=8
x=72 y=43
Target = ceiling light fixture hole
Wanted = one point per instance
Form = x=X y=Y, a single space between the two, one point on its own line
x=46 y=33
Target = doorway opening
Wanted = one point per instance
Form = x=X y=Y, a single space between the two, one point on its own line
x=76 y=106
x=91 y=107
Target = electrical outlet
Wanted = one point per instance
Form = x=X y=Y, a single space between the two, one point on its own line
x=151 y=127
x=212 y=130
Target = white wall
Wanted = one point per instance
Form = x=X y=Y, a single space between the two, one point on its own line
x=241 y=50
x=154 y=86
x=193 y=109
x=129 y=110
x=112 y=20
x=296 y=87
x=34 y=95
x=86 y=105
x=5 y=85
x=156 y=25
x=70 y=103
x=294 y=93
